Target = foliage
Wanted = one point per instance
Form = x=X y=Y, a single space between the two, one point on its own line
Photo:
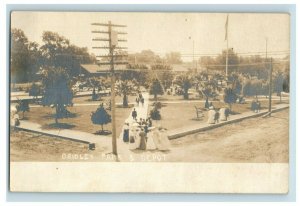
x=23 y=106
x=34 y=90
x=157 y=105
x=230 y=96
x=185 y=81
x=57 y=90
x=173 y=58
x=25 y=57
x=156 y=88
x=155 y=114
x=57 y=51
x=100 y=116
x=124 y=88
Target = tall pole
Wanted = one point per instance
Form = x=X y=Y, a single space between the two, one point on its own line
x=112 y=41
x=270 y=87
x=194 y=55
x=113 y=106
x=227 y=56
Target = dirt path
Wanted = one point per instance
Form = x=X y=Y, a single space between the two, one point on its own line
x=253 y=140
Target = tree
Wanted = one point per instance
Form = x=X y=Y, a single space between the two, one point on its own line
x=185 y=81
x=57 y=51
x=23 y=106
x=124 y=88
x=25 y=57
x=57 y=91
x=173 y=58
x=230 y=97
x=278 y=84
x=34 y=91
x=100 y=117
x=156 y=88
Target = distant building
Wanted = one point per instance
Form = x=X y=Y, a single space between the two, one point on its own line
x=185 y=67
x=94 y=70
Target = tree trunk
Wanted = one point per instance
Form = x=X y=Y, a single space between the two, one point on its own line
x=102 y=128
x=155 y=97
x=24 y=112
x=186 y=94
x=280 y=97
x=125 y=101
x=56 y=114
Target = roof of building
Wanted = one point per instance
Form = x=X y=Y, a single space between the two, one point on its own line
x=94 y=68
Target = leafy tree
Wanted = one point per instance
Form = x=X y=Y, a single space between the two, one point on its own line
x=57 y=91
x=185 y=81
x=173 y=58
x=100 y=117
x=34 y=91
x=156 y=88
x=23 y=106
x=278 y=84
x=124 y=88
x=230 y=96
x=57 y=51
x=25 y=57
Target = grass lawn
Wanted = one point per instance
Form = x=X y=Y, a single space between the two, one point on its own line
x=176 y=115
x=88 y=99
x=81 y=120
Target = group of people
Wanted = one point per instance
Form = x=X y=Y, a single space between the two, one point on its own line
x=139 y=135
x=139 y=99
x=216 y=115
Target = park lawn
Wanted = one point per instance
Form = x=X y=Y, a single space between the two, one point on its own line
x=167 y=97
x=88 y=99
x=177 y=115
x=81 y=120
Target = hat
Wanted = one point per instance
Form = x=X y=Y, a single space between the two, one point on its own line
x=135 y=124
x=151 y=128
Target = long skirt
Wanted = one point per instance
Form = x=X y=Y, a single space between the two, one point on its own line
x=150 y=142
x=126 y=135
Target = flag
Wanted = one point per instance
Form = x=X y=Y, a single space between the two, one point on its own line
x=226 y=27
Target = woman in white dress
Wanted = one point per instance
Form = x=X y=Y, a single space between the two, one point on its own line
x=134 y=136
x=150 y=142
x=211 y=115
x=161 y=139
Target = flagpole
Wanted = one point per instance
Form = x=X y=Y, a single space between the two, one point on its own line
x=227 y=47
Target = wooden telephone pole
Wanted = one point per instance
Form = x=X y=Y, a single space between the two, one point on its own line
x=112 y=45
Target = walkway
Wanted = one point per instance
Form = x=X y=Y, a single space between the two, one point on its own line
x=99 y=141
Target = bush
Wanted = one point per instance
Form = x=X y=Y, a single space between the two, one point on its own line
x=157 y=105
x=155 y=114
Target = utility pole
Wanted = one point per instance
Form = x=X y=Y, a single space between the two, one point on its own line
x=270 y=87
x=112 y=45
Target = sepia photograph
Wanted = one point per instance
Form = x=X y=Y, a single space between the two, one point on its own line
x=148 y=87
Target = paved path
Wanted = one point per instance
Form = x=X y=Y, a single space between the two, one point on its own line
x=100 y=141
x=203 y=126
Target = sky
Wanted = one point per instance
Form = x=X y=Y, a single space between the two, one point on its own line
x=165 y=32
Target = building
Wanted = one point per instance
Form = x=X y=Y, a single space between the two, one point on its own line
x=94 y=70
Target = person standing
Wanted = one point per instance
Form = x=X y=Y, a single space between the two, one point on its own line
x=126 y=132
x=137 y=101
x=149 y=121
x=211 y=115
x=217 y=115
x=150 y=142
x=134 y=114
x=142 y=101
x=142 y=135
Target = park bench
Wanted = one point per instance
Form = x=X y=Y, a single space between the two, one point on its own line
x=199 y=112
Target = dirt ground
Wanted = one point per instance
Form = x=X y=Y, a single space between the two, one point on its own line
x=254 y=140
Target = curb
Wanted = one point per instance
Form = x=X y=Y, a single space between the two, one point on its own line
x=209 y=127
